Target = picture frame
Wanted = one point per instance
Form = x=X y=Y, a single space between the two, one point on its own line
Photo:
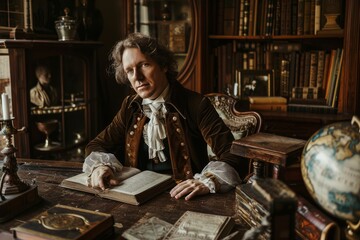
x=256 y=83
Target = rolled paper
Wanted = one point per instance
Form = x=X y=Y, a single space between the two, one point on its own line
x=5 y=106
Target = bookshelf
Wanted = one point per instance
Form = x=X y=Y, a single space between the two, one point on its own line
x=225 y=50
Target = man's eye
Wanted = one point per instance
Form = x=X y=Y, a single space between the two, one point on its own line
x=145 y=65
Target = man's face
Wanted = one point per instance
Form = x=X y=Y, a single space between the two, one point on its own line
x=144 y=74
x=45 y=78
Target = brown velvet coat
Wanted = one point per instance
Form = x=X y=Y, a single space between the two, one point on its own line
x=191 y=124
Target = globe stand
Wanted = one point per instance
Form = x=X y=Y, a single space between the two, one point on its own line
x=352 y=230
x=15 y=195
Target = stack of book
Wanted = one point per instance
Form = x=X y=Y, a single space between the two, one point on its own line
x=278 y=104
x=268 y=206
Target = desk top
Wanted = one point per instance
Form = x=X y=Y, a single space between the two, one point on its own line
x=48 y=174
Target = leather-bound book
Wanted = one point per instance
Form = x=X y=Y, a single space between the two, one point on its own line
x=313 y=224
x=64 y=223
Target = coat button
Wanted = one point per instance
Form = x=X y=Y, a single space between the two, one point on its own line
x=187 y=172
x=178 y=130
x=138 y=118
x=182 y=144
x=135 y=126
x=128 y=145
x=174 y=119
x=129 y=154
x=132 y=133
x=186 y=157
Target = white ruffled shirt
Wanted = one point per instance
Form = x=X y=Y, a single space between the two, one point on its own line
x=154 y=131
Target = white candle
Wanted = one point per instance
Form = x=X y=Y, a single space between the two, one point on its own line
x=5 y=106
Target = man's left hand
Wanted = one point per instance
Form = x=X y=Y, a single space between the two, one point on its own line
x=190 y=187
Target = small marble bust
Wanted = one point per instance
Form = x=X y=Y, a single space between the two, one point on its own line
x=43 y=94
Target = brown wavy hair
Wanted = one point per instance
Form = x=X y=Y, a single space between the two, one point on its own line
x=149 y=46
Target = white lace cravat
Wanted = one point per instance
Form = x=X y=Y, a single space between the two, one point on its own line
x=155 y=129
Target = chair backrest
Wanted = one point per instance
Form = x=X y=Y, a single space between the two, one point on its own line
x=240 y=123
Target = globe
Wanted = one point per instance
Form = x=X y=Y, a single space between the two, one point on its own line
x=330 y=167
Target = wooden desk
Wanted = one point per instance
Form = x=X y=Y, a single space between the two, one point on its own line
x=49 y=174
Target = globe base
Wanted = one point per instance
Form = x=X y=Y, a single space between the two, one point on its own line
x=352 y=230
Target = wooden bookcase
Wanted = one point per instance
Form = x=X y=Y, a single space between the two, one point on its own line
x=292 y=124
x=73 y=74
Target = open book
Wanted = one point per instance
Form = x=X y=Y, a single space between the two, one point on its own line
x=197 y=225
x=136 y=187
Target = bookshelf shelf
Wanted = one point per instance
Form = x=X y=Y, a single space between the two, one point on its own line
x=283 y=37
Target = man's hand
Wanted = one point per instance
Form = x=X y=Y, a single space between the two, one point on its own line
x=103 y=177
x=191 y=187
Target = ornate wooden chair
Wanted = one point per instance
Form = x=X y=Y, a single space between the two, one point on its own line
x=241 y=124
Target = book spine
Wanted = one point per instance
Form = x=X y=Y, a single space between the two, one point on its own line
x=313 y=68
x=318 y=101
x=320 y=68
x=220 y=17
x=277 y=18
x=241 y=18
x=269 y=107
x=312 y=224
x=312 y=17
x=307 y=69
x=307 y=13
x=267 y=100
x=229 y=17
x=251 y=17
x=330 y=72
x=326 y=70
x=301 y=70
x=288 y=18
x=269 y=18
x=246 y=17
x=300 y=17
x=284 y=78
x=294 y=7
x=283 y=17
x=317 y=16
x=311 y=108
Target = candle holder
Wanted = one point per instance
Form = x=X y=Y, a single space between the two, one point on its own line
x=15 y=195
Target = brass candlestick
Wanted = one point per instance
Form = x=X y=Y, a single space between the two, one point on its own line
x=15 y=195
x=10 y=181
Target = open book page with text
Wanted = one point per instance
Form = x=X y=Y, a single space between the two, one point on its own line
x=135 y=186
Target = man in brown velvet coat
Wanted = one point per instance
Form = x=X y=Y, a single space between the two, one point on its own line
x=164 y=127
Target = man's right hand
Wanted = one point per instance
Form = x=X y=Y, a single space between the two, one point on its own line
x=103 y=177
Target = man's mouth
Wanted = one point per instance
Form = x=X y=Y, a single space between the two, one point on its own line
x=142 y=86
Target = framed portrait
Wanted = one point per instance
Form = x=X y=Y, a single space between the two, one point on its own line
x=256 y=83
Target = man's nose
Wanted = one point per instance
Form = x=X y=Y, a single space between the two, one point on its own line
x=138 y=74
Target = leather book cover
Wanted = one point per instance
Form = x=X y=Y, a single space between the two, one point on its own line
x=64 y=223
x=313 y=224
x=268 y=147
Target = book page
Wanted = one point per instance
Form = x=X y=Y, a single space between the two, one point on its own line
x=140 y=182
x=148 y=228
x=124 y=174
x=196 y=225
